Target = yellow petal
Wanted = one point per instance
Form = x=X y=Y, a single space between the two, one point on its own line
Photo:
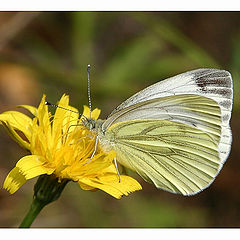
x=43 y=114
x=14 y=180
x=111 y=185
x=65 y=120
x=43 y=120
x=33 y=110
x=86 y=187
x=94 y=114
x=101 y=163
x=15 y=135
x=71 y=119
x=32 y=166
x=18 y=121
x=59 y=115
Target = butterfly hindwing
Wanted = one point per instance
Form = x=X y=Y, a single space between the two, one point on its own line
x=174 y=156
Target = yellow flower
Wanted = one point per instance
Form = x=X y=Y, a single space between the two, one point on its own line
x=61 y=145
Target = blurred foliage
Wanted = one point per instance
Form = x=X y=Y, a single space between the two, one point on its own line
x=48 y=53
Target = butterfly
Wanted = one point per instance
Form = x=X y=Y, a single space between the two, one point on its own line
x=175 y=133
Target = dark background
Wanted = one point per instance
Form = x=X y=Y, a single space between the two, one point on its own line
x=48 y=53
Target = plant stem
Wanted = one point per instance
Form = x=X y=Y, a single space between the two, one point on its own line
x=33 y=212
x=46 y=190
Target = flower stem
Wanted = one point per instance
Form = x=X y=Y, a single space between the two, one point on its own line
x=46 y=190
x=34 y=210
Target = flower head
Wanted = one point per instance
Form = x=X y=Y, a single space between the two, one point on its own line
x=61 y=145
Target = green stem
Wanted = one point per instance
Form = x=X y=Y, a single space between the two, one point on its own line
x=33 y=212
x=46 y=190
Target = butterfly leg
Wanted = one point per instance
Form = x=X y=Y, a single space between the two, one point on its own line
x=115 y=163
x=94 y=151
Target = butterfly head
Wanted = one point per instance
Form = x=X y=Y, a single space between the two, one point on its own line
x=92 y=125
x=89 y=123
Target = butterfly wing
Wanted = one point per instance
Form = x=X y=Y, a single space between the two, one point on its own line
x=211 y=83
x=174 y=156
x=193 y=104
x=167 y=100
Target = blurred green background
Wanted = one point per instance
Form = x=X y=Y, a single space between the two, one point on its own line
x=48 y=53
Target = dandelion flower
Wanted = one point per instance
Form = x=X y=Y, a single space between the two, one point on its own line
x=62 y=146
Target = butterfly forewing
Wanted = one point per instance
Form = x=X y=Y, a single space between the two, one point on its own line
x=211 y=83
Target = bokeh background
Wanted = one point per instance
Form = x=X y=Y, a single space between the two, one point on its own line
x=48 y=52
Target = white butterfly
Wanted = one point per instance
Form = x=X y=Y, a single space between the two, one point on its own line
x=175 y=133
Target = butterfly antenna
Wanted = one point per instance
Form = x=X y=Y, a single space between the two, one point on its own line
x=89 y=90
x=56 y=106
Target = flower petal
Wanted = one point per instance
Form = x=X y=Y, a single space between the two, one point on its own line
x=64 y=121
x=60 y=114
x=86 y=187
x=32 y=166
x=33 y=110
x=101 y=164
x=110 y=184
x=94 y=114
x=15 y=135
x=14 y=180
x=18 y=121
x=43 y=114
x=71 y=120
x=41 y=123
